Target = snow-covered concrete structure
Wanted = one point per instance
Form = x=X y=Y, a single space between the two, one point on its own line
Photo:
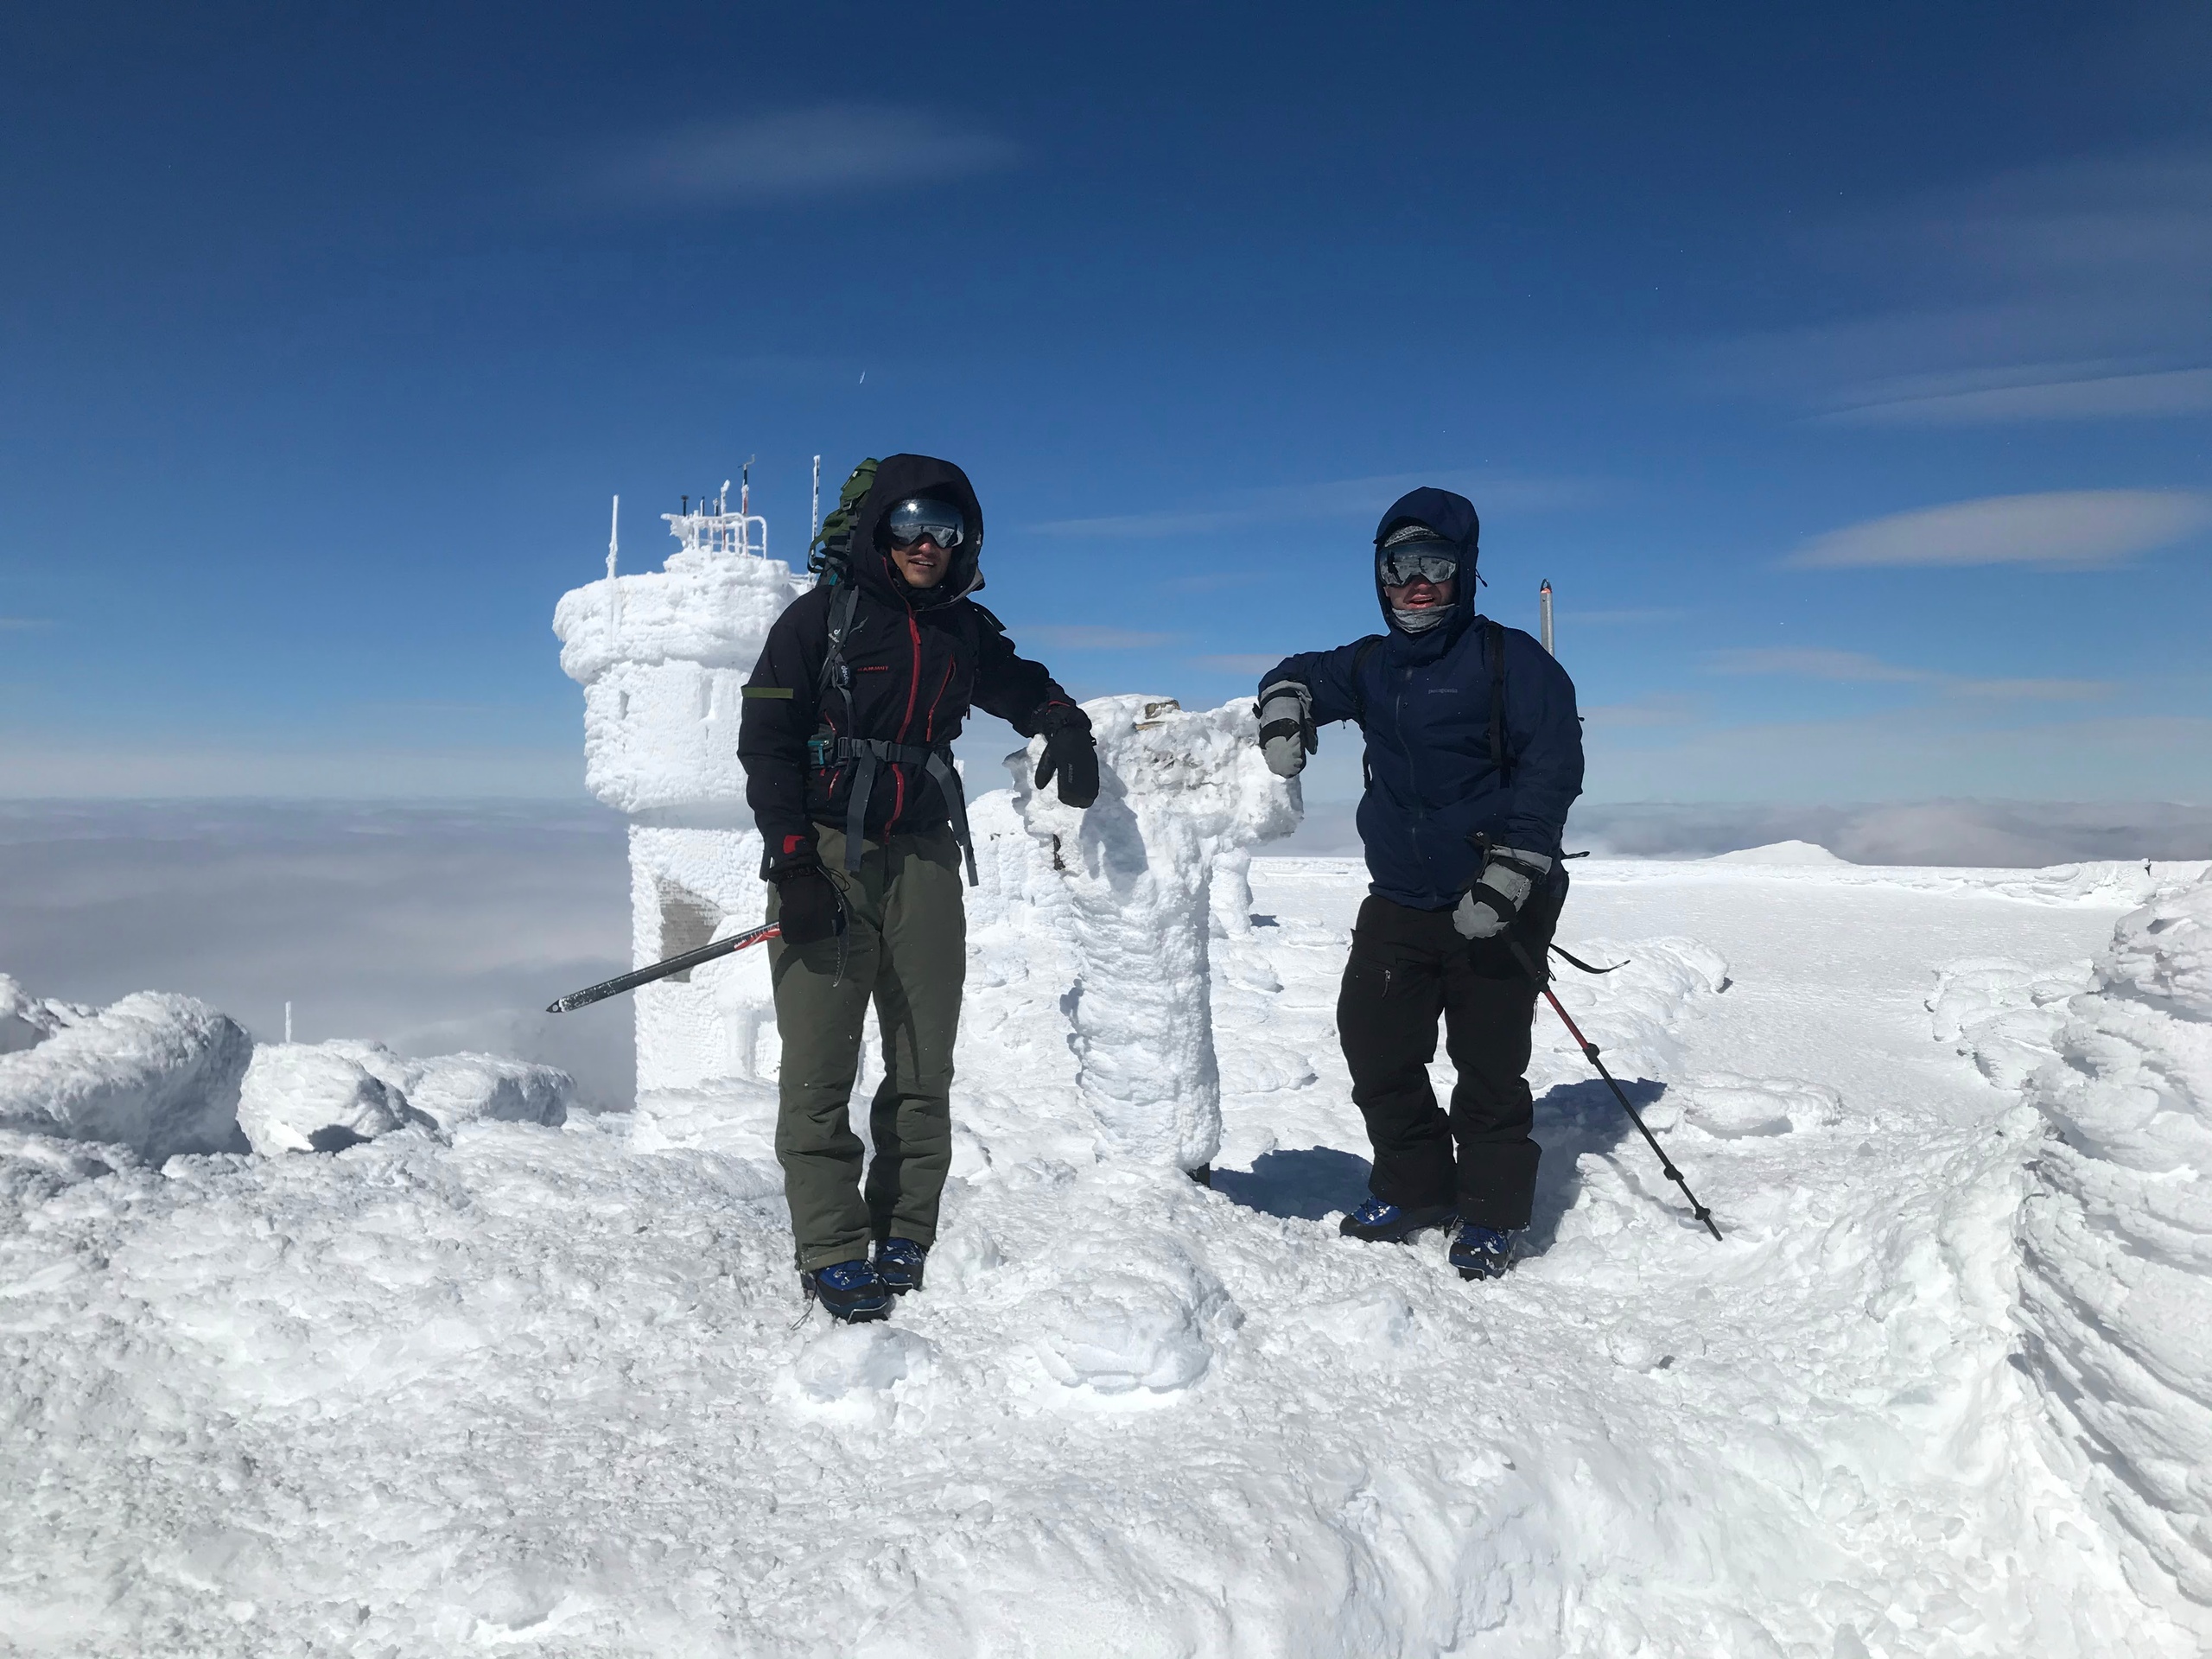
x=662 y=656
x=1149 y=875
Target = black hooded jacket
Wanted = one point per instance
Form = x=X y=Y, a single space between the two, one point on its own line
x=919 y=658
x=1423 y=703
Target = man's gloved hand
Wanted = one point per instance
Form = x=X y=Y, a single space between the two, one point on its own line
x=807 y=904
x=1494 y=898
x=1286 y=733
x=1071 y=753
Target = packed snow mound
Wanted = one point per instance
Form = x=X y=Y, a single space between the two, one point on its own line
x=451 y=1090
x=27 y=1020
x=313 y=1098
x=2116 y=1286
x=1785 y=853
x=155 y=1072
x=2005 y=1014
x=2163 y=956
x=326 y=1096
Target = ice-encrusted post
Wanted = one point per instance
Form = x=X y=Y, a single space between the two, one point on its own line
x=1184 y=797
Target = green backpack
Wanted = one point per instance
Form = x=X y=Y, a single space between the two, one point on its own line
x=830 y=555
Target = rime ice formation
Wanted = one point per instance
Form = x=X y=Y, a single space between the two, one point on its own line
x=2116 y=1283
x=1147 y=874
x=661 y=657
x=326 y=1096
x=155 y=1072
x=311 y=1097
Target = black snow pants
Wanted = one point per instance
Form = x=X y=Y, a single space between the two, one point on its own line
x=1406 y=967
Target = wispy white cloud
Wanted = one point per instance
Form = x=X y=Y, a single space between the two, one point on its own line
x=2065 y=529
x=2065 y=292
x=1332 y=499
x=1858 y=668
x=2171 y=391
x=830 y=150
x=1084 y=636
x=23 y=624
x=2033 y=691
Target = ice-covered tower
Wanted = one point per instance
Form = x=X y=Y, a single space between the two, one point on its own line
x=661 y=657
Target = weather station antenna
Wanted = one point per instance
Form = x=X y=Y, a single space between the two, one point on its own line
x=715 y=529
x=1544 y=615
x=814 y=529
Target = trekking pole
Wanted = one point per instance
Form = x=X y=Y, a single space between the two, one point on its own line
x=629 y=982
x=1590 y=1051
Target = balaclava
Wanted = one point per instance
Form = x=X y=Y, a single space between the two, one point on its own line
x=1416 y=621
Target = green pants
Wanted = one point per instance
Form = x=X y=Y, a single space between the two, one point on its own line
x=905 y=948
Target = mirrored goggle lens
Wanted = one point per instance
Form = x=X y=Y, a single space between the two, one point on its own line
x=1402 y=565
x=938 y=520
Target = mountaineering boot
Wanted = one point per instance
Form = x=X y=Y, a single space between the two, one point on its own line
x=849 y=1290
x=898 y=1264
x=1484 y=1252
x=1379 y=1222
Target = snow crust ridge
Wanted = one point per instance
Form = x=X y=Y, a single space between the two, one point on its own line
x=156 y=1073
x=2115 y=1297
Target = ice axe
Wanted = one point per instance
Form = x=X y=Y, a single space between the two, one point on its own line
x=1542 y=982
x=629 y=982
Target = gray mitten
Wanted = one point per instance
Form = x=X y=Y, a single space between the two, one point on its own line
x=1494 y=900
x=1286 y=733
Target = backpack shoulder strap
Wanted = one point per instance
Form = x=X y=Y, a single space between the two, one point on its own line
x=1360 y=654
x=843 y=604
x=1498 y=757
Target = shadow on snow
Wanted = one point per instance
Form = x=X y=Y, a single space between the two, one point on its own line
x=1313 y=1183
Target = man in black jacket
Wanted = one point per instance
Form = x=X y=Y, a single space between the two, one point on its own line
x=1474 y=754
x=847 y=741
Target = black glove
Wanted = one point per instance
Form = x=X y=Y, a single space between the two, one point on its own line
x=1070 y=753
x=807 y=904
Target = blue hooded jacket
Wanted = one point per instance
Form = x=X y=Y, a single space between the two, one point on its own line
x=1423 y=703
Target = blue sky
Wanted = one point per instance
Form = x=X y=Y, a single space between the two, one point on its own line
x=1848 y=371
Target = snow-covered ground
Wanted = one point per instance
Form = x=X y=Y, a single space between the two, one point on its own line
x=513 y=1373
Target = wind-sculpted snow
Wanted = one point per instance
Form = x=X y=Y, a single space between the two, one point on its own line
x=299 y=1097
x=155 y=1072
x=547 y=1386
x=2116 y=1291
x=27 y=1020
x=325 y=1097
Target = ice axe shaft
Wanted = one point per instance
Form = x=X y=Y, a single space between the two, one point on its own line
x=629 y=982
x=1590 y=1052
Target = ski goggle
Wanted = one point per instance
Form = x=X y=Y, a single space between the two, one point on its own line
x=1417 y=561
x=942 y=522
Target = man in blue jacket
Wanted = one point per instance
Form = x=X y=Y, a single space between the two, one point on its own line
x=1474 y=754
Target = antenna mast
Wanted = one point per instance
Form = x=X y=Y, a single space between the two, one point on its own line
x=815 y=528
x=1544 y=613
